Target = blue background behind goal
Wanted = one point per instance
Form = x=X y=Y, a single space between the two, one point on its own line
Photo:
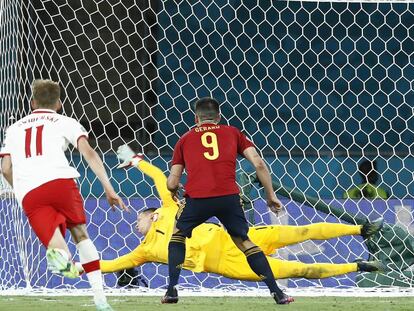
x=297 y=76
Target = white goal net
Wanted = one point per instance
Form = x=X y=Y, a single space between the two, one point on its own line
x=319 y=86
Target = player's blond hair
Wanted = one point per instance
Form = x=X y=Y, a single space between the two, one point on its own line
x=45 y=92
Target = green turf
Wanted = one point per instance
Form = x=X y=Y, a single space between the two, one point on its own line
x=37 y=303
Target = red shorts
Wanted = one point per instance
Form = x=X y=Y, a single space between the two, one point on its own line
x=56 y=203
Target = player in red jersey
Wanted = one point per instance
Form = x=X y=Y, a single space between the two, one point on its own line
x=34 y=164
x=208 y=152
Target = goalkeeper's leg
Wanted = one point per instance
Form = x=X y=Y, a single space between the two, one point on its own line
x=235 y=266
x=318 y=231
x=292 y=269
x=270 y=238
x=283 y=269
x=89 y=258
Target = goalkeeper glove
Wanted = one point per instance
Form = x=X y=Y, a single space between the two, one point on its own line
x=128 y=157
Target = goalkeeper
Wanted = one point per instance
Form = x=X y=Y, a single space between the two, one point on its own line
x=210 y=249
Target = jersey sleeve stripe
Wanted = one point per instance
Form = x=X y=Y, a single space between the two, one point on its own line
x=4 y=154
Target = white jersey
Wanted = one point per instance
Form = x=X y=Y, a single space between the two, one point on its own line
x=37 y=144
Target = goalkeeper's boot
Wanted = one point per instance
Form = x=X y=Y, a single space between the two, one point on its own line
x=58 y=262
x=284 y=300
x=371 y=228
x=104 y=307
x=171 y=296
x=371 y=266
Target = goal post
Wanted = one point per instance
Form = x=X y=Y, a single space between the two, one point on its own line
x=319 y=86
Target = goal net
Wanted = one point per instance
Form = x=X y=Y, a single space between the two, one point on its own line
x=319 y=86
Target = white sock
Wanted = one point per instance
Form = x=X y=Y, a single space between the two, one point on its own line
x=79 y=266
x=89 y=258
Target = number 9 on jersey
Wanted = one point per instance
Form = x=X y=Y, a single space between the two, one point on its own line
x=209 y=140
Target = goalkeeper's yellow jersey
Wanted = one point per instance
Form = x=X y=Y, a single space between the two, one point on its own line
x=210 y=249
x=206 y=239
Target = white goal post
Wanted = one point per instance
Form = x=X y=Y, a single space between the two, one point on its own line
x=319 y=87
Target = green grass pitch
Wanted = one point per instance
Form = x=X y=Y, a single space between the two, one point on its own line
x=42 y=303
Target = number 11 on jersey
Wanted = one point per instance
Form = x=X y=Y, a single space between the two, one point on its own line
x=28 y=140
x=209 y=140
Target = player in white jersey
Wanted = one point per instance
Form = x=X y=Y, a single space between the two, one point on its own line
x=35 y=165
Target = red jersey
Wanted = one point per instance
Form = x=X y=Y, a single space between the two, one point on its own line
x=209 y=154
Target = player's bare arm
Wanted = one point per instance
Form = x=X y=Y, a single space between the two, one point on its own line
x=98 y=168
x=173 y=180
x=7 y=169
x=265 y=179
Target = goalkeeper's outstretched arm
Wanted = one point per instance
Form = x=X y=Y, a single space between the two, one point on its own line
x=130 y=260
x=160 y=181
x=129 y=158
